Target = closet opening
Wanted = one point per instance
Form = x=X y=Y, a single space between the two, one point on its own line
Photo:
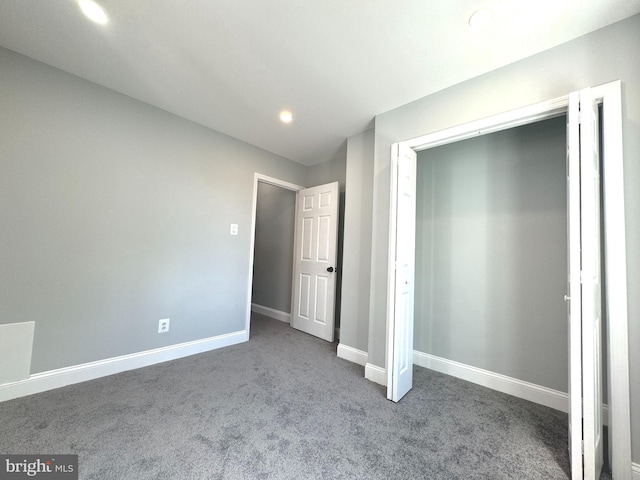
x=492 y=275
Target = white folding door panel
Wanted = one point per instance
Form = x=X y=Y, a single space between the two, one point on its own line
x=403 y=237
x=585 y=309
x=575 y=289
x=591 y=286
x=314 y=269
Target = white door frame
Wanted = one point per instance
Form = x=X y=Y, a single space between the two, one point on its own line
x=260 y=178
x=609 y=95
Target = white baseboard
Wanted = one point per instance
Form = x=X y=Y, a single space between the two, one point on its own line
x=375 y=374
x=271 y=312
x=518 y=388
x=41 y=382
x=502 y=383
x=635 y=471
x=352 y=354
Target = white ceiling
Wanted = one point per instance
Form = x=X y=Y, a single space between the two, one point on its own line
x=232 y=65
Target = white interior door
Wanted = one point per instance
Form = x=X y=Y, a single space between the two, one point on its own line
x=591 y=286
x=403 y=223
x=575 y=290
x=585 y=309
x=314 y=266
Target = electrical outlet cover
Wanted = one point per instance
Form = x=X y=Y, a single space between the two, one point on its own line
x=163 y=325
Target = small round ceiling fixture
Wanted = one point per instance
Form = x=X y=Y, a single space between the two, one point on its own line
x=286 y=116
x=93 y=11
x=480 y=18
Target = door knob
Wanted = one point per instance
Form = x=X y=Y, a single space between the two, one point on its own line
x=330 y=269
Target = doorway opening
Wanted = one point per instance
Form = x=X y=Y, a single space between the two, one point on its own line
x=294 y=258
x=272 y=247
x=400 y=298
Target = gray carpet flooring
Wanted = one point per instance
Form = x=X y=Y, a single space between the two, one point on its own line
x=283 y=406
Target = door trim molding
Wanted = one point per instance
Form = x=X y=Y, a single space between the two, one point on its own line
x=259 y=178
x=503 y=121
x=609 y=95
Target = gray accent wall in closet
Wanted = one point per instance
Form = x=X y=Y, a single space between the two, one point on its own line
x=491 y=253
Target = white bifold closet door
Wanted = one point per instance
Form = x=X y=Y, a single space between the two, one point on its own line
x=585 y=308
x=400 y=345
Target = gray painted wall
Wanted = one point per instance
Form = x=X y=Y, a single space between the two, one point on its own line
x=357 y=248
x=491 y=253
x=594 y=59
x=273 y=254
x=116 y=214
x=332 y=171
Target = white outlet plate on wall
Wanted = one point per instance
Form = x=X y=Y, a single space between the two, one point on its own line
x=163 y=325
x=233 y=230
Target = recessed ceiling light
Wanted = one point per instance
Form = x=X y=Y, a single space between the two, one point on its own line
x=93 y=11
x=286 y=116
x=480 y=18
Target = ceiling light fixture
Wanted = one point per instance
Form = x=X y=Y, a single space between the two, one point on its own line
x=286 y=116
x=480 y=18
x=93 y=11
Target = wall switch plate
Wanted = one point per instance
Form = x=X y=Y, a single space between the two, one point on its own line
x=163 y=325
x=234 y=229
